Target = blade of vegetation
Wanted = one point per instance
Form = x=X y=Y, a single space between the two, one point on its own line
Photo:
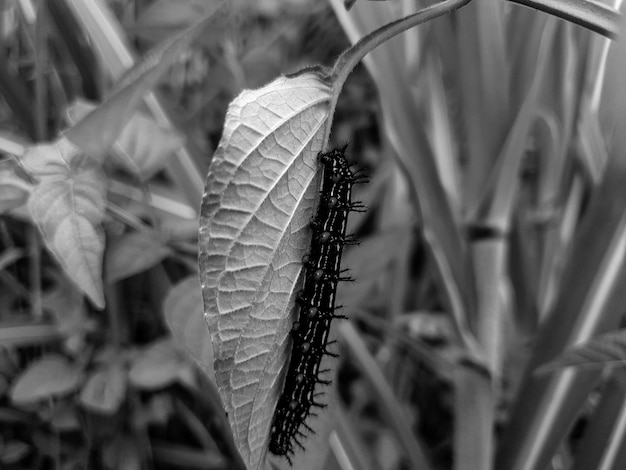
x=96 y=132
x=385 y=397
x=474 y=413
x=590 y=301
x=590 y=14
x=351 y=451
x=603 y=446
x=497 y=207
x=484 y=89
x=116 y=54
x=142 y=146
x=407 y=136
x=164 y=18
x=604 y=350
x=253 y=234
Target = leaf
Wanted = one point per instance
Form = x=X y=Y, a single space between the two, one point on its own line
x=122 y=454
x=13 y=451
x=603 y=350
x=184 y=315
x=68 y=206
x=113 y=47
x=105 y=390
x=142 y=145
x=590 y=302
x=157 y=366
x=65 y=417
x=99 y=129
x=51 y=376
x=14 y=191
x=131 y=254
x=255 y=213
x=67 y=305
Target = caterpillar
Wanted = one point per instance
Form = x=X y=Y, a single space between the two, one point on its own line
x=316 y=305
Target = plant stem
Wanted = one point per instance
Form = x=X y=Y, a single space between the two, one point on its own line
x=350 y=58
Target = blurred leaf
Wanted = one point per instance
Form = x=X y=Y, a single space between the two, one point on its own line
x=384 y=396
x=184 y=315
x=13 y=451
x=100 y=128
x=164 y=18
x=254 y=230
x=370 y=263
x=51 y=376
x=157 y=366
x=117 y=56
x=68 y=206
x=157 y=411
x=603 y=444
x=105 y=389
x=142 y=146
x=604 y=350
x=131 y=254
x=14 y=191
x=122 y=454
x=66 y=303
x=168 y=455
x=65 y=416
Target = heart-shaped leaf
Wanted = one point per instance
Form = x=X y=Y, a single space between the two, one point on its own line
x=51 y=376
x=68 y=205
x=259 y=199
x=183 y=312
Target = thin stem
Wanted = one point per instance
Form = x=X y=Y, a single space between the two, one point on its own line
x=350 y=58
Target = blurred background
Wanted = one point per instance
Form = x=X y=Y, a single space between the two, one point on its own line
x=494 y=239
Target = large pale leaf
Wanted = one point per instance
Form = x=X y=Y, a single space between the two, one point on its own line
x=67 y=205
x=254 y=231
x=604 y=350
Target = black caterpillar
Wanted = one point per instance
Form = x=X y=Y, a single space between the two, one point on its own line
x=316 y=302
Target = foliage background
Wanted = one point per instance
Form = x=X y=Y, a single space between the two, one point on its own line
x=496 y=225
